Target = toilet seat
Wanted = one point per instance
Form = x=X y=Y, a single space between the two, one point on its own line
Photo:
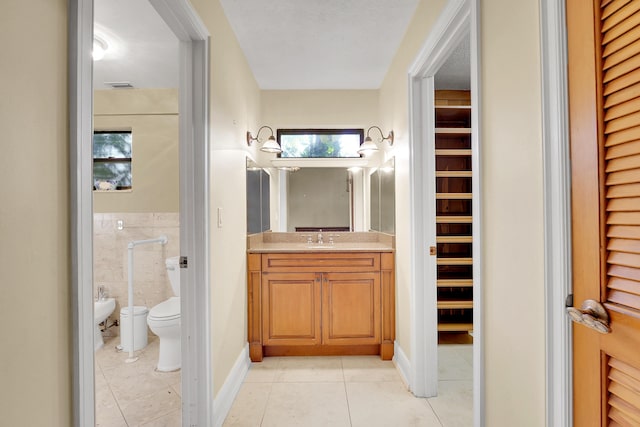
x=166 y=310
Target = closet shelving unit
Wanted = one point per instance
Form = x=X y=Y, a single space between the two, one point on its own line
x=454 y=234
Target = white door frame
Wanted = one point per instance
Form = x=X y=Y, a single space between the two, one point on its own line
x=194 y=207
x=557 y=213
x=459 y=19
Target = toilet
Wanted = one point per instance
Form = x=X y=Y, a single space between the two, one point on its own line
x=102 y=309
x=164 y=321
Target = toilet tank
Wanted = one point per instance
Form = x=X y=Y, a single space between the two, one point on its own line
x=173 y=271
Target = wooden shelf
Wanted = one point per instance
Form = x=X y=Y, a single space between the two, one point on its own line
x=453 y=191
x=453 y=174
x=454 y=261
x=453 y=152
x=454 y=305
x=454 y=239
x=455 y=327
x=453 y=131
x=449 y=283
x=454 y=196
x=441 y=219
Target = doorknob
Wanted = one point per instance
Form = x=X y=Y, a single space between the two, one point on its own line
x=591 y=314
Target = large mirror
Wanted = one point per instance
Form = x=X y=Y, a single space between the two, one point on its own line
x=382 y=198
x=310 y=198
x=258 y=199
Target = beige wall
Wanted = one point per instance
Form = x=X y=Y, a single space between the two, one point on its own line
x=152 y=116
x=394 y=115
x=234 y=109
x=35 y=354
x=512 y=214
x=34 y=217
x=512 y=229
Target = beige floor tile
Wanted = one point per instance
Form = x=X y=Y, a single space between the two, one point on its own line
x=249 y=406
x=454 y=403
x=111 y=420
x=368 y=368
x=307 y=404
x=310 y=369
x=451 y=365
x=133 y=381
x=265 y=371
x=386 y=404
x=466 y=352
x=174 y=419
x=151 y=406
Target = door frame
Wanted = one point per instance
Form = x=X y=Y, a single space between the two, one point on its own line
x=197 y=380
x=557 y=213
x=459 y=19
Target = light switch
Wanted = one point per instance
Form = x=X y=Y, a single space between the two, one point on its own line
x=219 y=217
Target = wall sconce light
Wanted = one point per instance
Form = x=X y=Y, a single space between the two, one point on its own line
x=269 y=146
x=100 y=48
x=370 y=146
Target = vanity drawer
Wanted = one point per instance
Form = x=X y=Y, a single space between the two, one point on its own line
x=348 y=262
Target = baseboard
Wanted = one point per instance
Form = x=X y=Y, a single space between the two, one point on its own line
x=224 y=399
x=402 y=364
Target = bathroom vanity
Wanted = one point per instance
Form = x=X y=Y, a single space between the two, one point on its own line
x=306 y=298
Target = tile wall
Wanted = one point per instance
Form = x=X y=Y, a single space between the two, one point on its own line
x=110 y=265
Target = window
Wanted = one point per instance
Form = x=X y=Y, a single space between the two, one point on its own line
x=112 y=160
x=320 y=143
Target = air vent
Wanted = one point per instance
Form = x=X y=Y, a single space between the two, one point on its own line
x=119 y=85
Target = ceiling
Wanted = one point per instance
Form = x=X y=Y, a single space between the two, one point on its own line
x=142 y=49
x=289 y=44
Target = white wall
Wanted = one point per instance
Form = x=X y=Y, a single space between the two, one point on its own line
x=35 y=306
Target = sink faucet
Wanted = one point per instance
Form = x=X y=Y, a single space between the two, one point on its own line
x=320 y=241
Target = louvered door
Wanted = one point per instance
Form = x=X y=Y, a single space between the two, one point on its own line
x=604 y=98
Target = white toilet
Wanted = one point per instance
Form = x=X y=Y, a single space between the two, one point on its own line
x=102 y=309
x=164 y=321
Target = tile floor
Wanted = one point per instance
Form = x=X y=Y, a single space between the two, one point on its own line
x=352 y=391
x=289 y=391
x=135 y=394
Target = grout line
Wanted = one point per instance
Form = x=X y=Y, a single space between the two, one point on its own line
x=426 y=399
x=346 y=395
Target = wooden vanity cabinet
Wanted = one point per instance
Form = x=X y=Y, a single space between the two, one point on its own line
x=321 y=304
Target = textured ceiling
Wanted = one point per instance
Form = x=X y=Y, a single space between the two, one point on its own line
x=454 y=73
x=319 y=44
x=289 y=44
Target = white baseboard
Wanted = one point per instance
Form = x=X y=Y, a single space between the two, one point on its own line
x=224 y=399
x=402 y=364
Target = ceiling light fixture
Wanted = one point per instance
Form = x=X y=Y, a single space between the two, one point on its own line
x=269 y=146
x=100 y=48
x=369 y=146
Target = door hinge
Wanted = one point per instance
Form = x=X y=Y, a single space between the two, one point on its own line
x=183 y=262
x=568 y=302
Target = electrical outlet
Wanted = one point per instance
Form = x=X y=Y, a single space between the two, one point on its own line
x=119 y=224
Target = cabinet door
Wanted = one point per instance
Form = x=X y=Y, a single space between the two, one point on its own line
x=291 y=308
x=351 y=311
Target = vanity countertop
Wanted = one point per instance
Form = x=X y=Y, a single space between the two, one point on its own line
x=315 y=247
x=295 y=242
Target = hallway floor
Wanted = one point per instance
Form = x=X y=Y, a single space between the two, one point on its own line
x=352 y=391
